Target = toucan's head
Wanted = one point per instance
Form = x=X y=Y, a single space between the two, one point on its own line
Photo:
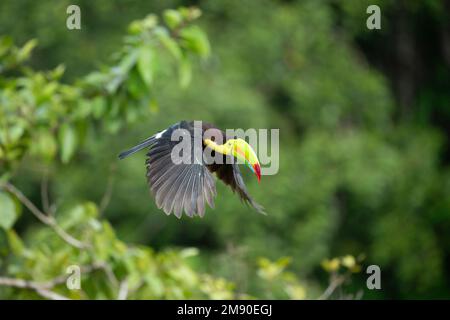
x=241 y=150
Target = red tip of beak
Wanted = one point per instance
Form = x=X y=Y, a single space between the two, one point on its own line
x=257 y=169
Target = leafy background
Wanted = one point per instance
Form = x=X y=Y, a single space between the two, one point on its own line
x=364 y=150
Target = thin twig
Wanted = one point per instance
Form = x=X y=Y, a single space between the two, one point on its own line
x=123 y=290
x=108 y=191
x=51 y=294
x=335 y=282
x=48 y=220
x=45 y=288
x=27 y=203
x=67 y=237
x=40 y=288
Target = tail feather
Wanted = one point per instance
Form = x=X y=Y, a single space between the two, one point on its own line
x=144 y=144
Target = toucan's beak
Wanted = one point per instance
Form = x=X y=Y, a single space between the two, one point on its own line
x=257 y=171
x=246 y=153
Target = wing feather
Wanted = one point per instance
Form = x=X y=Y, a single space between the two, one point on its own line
x=178 y=188
x=187 y=195
x=231 y=176
x=172 y=195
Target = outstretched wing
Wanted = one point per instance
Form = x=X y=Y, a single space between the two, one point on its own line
x=179 y=187
x=230 y=174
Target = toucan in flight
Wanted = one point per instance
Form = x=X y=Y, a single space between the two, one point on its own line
x=180 y=186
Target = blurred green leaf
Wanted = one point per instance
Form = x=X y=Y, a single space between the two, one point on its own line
x=170 y=44
x=44 y=144
x=58 y=72
x=331 y=265
x=8 y=213
x=150 y=21
x=25 y=52
x=195 y=40
x=16 y=244
x=172 y=18
x=147 y=64
x=67 y=141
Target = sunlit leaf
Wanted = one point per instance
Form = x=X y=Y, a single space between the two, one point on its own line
x=189 y=252
x=147 y=64
x=195 y=40
x=150 y=21
x=348 y=261
x=295 y=291
x=170 y=44
x=331 y=265
x=13 y=134
x=172 y=18
x=25 y=51
x=190 y=13
x=44 y=144
x=57 y=73
x=8 y=212
x=68 y=142
x=15 y=243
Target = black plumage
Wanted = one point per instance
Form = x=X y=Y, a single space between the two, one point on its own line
x=187 y=187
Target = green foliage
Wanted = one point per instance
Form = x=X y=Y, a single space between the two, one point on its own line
x=277 y=281
x=42 y=117
x=9 y=212
x=106 y=263
x=68 y=141
x=49 y=117
x=354 y=176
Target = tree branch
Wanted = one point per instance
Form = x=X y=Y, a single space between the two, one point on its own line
x=40 y=288
x=108 y=191
x=48 y=220
x=123 y=290
x=335 y=282
x=44 y=288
